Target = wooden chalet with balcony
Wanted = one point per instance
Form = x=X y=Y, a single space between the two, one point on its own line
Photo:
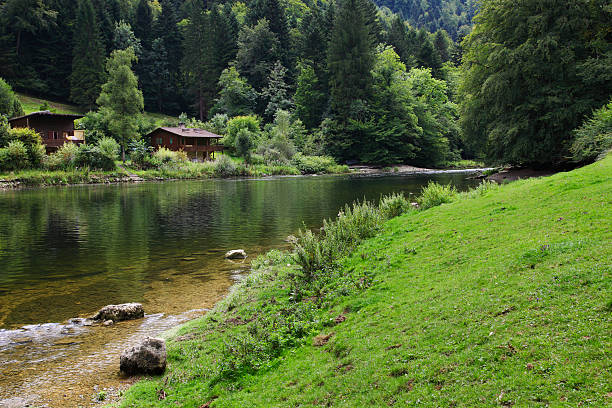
x=199 y=144
x=55 y=129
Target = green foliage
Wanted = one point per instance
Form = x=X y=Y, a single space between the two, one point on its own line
x=436 y=194
x=165 y=156
x=14 y=156
x=533 y=70
x=225 y=167
x=140 y=153
x=210 y=44
x=310 y=101
x=236 y=96
x=109 y=147
x=313 y=164
x=258 y=50
x=92 y=157
x=276 y=91
x=394 y=205
x=88 y=57
x=594 y=137
x=63 y=158
x=244 y=144
x=236 y=124
x=30 y=139
x=121 y=101
x=9 y=104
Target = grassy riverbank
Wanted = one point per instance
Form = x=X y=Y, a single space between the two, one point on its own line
x=170 y=171
x=499 y=298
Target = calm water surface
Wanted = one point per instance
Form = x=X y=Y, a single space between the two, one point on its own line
x=66 y=252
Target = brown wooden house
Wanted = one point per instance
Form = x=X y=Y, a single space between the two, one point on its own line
x=199 y=144
x=54 y=128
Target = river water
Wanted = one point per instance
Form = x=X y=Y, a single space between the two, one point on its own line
x=66 y=252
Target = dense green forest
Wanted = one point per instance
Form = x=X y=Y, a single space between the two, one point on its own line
x=358 y=82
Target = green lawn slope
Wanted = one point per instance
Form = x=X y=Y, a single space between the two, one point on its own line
x=499 y=299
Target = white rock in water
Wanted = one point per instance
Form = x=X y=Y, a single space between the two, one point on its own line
x=236 y=254
x=147 y=357
x=118 y=313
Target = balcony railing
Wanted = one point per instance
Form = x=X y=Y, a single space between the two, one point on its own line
x=210 y=149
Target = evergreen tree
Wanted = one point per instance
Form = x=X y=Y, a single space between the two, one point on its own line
x=121 y=101
x=210 y=44
x=310 y=102
x=258 y=50
x=427 y=56
x=274 y=13
x=398 y=37
x=88 y=58
x=350 y=61
x=143 y=24
x=124 y=38
x=443 y=45
x=533 y=70
x=276 y=93
x=161 y=85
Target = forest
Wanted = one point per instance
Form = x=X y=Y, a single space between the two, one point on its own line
x=409 y=82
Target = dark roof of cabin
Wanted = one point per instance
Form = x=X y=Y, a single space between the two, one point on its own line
x=49 y=113
x=188 y=132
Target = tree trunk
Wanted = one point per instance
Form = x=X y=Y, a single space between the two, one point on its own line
x=123 y=153
x=18 y=43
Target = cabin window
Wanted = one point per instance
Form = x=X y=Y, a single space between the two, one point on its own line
x=170 y=140
x=160 y=140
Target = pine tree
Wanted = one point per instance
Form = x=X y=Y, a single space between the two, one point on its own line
x=143 y=24
x=310 y=102
x=121 y=101
x=88 y=61
x=350 y=62
x=258 y=49
x=351 y=56
x=443 y=45
x=398 y=37
x=276 y=92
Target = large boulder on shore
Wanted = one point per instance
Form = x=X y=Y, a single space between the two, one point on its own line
x=236 y=254
x=147 y=357
x=118 y=313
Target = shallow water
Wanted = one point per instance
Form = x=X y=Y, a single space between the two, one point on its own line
x=66 y=252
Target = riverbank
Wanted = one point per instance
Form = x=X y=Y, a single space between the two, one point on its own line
x=125 y=174
x=498 y=297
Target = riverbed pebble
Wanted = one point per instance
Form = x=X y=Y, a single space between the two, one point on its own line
x=236 y=254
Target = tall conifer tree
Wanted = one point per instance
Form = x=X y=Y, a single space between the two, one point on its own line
x=88 y=58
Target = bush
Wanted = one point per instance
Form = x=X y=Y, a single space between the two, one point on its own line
x=167 y=156
x=63 y=158
x=244 y=144
x=109 y=147
x=394 y=205
x=594 y=137
x=140 y=153
x=225 y=167
x=436 y=194
x=30 y=139
x=14 y=156
x=234 y=125
x=88 y=156
x=312 y=164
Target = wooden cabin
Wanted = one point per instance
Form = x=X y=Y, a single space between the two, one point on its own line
x=55 y=129
x=199 y=144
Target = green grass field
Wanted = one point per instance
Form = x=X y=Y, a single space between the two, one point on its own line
x=496 y=299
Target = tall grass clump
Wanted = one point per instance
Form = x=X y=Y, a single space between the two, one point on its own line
x=225 y=167
x=435 y=194
x=394 y=205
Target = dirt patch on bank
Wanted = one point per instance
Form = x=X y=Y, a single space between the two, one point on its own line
x=513 y=174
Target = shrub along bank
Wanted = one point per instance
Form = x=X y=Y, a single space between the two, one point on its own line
x=499 y=296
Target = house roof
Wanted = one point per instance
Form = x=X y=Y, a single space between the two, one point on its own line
x=48 y=113
x=188 y=132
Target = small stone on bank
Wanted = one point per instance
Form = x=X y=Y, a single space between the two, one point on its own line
x=108 y=323
x=236 y=254
x=147 y=357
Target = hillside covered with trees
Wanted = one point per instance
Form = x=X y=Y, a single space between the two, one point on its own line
x=358 y=82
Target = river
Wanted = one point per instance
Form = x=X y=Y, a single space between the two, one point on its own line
x=66 y=252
